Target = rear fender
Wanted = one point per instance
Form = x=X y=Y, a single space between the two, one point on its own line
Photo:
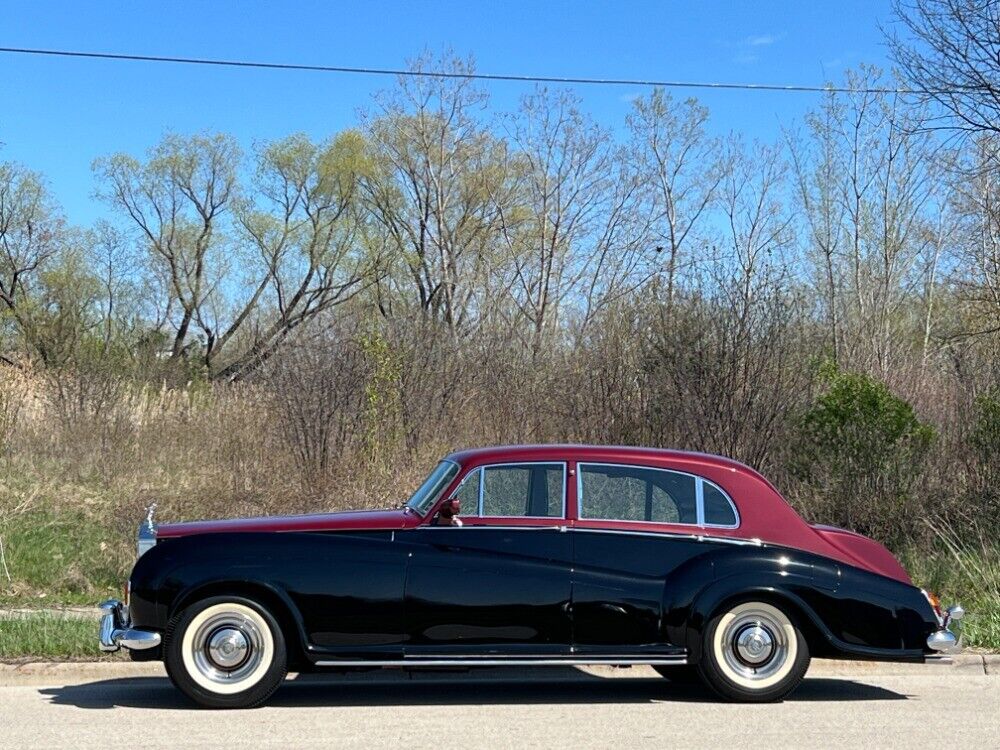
x=781 y=592
x=702 y=586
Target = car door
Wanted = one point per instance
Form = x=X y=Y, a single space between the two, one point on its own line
x=499 y=584
x=622 y=559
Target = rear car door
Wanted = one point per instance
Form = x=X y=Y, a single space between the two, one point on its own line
x=623 y=558
x=500 y=583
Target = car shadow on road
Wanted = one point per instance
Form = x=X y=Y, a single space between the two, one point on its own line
x=447 y=689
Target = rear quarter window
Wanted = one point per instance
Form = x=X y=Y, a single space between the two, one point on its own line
x=718 y=509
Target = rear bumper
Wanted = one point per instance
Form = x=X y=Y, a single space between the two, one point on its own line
x=117 y=631
x=944 y=642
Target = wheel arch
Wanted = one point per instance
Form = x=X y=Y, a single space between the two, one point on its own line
x=727 y=594
x=276 y=601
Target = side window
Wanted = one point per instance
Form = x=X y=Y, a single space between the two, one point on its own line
x=468 y=493
x=632 y=493
x=535 y=490
x=718 y=509
x=635 y=493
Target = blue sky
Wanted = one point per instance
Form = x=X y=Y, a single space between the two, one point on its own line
x=58 y=115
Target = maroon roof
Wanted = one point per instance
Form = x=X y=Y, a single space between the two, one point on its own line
x=612 y=453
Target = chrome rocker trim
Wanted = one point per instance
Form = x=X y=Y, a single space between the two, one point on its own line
x=944 y=641
x=116 y=630
x=514 y=661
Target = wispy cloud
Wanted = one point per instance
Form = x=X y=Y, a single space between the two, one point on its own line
x=747 y=50
x=631 y=97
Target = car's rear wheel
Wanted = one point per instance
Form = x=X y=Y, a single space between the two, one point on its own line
x=226 y=652
x=753 y=651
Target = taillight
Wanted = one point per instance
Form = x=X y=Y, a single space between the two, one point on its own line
x=935 y=601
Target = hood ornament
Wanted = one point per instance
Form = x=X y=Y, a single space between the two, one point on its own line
x=149 y=517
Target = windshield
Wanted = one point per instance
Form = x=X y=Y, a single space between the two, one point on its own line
x=429 y=492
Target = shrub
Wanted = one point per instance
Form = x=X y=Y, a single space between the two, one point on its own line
x=860 y=452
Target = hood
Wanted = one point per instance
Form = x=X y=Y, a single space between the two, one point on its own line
x=867 y=553
x=356 y=520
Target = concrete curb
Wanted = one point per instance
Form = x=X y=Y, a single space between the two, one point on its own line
x=62 y=673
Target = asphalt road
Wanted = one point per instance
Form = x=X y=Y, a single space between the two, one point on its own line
x=554 y=708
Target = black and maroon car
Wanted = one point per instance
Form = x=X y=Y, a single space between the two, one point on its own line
x=538 y=555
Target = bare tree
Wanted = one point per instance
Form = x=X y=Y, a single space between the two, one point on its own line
x=818 y=169
x=578 y=228
x=680 y=166
x=178 y=200
x=978 y=204
x=318 y=386
x=864 y=179
x=758 y=227
x=302 y=224
x=234 y=292
x=952 y=56
x=31 y=233
x=435 y=170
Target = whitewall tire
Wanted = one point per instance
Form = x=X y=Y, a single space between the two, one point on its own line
x=226 y=652
x=753 y=651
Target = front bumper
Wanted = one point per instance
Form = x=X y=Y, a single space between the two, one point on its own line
x=944 y=641
x=117 y=631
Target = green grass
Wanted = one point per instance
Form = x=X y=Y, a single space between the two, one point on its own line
x=963 y=570
x=55 y=558
x=48 y=636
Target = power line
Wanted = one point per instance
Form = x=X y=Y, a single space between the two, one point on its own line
x=468 y=76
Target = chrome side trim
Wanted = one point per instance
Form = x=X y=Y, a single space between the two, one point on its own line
x=755 y=542
x=501 y=662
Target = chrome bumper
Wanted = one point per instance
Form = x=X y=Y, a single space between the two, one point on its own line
x=944 y=640
x=116 y=630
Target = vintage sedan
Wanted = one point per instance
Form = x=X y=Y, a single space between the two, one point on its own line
x=529 y=555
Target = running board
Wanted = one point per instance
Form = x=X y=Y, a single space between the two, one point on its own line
x=489 y=661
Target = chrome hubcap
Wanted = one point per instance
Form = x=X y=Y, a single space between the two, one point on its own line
x=227 y=647
x=755 y=645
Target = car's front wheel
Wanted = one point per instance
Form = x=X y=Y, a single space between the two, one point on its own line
x=753 y=651
x=226 y=652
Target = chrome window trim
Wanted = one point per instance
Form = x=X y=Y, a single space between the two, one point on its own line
x=481 y=471
x=699 y=490
x=477 y=472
